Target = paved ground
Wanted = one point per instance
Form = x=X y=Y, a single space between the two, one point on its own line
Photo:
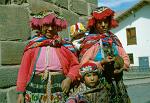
x=139 y=93
x=138 y=84
x=137 y=81
x=130 y=74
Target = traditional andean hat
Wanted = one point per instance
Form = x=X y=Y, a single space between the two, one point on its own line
x=101 y=13
x=88 y=68
x=47 y=18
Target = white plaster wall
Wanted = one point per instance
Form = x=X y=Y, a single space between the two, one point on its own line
x=140 y=20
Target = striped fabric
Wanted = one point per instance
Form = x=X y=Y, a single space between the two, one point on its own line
x=118 y=93
x=91 y=40
x=71 y=47
x=37 y=90
x=43 y=41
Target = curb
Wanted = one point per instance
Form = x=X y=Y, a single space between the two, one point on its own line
x=136 y=81
x=136 y=78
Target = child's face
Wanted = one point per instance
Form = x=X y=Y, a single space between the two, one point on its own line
x=91 y=79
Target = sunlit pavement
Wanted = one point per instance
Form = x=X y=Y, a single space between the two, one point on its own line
x=132 y=78
x=138 y=86
x=139 y=93
x=137 y=81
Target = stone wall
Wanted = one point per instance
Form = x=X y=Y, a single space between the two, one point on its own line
x=15 y=31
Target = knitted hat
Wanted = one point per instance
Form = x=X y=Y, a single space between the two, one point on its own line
x=77 y=28
x=101 y=13
x=47 y=18
x=88 y=68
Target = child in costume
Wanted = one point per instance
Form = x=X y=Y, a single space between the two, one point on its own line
x=77 y=33
x=48 y=68
x=104 y=49
x=91 y=88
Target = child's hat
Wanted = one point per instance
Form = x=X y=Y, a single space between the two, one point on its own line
x=88 y=68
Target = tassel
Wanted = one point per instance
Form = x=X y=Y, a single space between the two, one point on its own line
x=45 y=75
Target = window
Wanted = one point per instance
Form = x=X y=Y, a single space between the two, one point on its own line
x=131 y=36
x=144 y=62
x=131 y=58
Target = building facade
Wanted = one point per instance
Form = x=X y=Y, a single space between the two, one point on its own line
x=134 y=33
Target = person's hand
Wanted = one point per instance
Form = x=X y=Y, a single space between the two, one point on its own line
x=66 y=85
x=100 y=67
x=20 y=98
x=125 y=68
x=117 y=71
x=108 y=59
x=119 y=62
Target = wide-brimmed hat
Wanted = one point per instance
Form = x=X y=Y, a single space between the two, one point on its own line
x=50 y=18
x=101 y=13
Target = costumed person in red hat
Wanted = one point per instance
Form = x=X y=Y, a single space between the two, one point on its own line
x=48 y=68
x=91 y=89
x=103 y=48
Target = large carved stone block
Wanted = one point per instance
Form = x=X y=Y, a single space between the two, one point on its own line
x=11 y=52
x=79 y=7
x=91 y=7
x=14 y=23
x=70 y=16
x=93 y=1
x=62 y=3
x=37 y=6
x=8 y=75
x=19 y=2
x=3 y=96
x=11 y=95
x=8 y=95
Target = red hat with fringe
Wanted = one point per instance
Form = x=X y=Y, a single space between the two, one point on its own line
x=101 y=13
x=47 y=18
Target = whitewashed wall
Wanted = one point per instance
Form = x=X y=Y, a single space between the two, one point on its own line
x=140 y=20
